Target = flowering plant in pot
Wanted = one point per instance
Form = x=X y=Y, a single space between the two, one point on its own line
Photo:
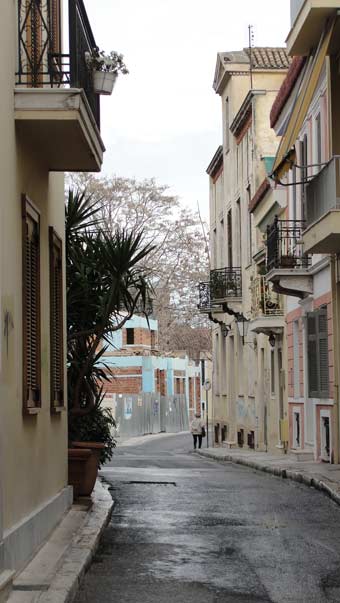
x=105 y=69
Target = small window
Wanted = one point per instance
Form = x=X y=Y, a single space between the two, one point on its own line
x=31 y=306
x=130 y=336
x=56 y=321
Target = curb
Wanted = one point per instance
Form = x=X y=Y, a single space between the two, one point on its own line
x=65 y=585
x=296 y=476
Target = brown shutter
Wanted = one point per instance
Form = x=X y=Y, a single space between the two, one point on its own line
x=31 y=306
x=56 y=321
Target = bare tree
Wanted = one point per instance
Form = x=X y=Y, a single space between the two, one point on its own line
x=179 y=260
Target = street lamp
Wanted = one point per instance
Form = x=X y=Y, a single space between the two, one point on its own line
x=242 y=325
x=207 y=387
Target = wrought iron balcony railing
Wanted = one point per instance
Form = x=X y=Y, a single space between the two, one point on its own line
x=224 y=283
x=40 y=62
x=204 y=300
x=285 y=245
x=323 y=191
x=264 y=301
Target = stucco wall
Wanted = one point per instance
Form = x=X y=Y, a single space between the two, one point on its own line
x=34 y=449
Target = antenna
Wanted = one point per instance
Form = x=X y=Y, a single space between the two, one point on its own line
x=251 y=45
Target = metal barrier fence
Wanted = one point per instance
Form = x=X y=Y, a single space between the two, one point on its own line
x=148 y=413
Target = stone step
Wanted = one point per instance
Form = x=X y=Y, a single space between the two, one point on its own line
x=6 y=580
x=301 y=455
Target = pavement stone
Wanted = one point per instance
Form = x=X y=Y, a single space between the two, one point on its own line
x=319 y=475
x=54 y=575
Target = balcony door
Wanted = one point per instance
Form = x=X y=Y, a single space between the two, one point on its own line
x=39 y=27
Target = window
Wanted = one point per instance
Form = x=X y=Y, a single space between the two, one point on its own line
x=304 y=174
x=153 y=339
x=272 y=372
x=318 y=375
x=56 y=321
x=227 y=130
x=130 y=336
x=31 y=306
x=296 y=359
x=318 y=139
x=239 y=232
x=230 y=239
x=250 y=228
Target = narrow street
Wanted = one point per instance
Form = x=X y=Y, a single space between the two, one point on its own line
x=186 y=529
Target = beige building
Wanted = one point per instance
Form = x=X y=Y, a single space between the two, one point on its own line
x=49 y=123
x=248 y=325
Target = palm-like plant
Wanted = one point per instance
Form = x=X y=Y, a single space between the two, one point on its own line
x=105 y=283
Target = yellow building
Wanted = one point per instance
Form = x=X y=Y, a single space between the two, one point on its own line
x=49 y=123
x=247 y=317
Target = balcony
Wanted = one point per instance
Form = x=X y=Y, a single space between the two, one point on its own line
x=322 y=234
x=266 y=307
x=57 y=112
x=222 y=291
x=287 y=262
x=308 y=25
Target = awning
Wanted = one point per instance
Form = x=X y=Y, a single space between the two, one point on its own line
x=285 y=153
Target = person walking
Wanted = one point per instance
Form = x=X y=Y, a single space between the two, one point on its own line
x=197 y=429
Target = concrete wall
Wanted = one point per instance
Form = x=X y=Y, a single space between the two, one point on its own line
x=33 y=449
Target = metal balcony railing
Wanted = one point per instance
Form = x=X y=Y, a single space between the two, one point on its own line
x=264 y=302
x=323 y=191
x=204 y=300
x=285 y=245
x=224 y=283
x=40 y=62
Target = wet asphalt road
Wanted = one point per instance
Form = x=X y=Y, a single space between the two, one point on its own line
x=190 y=530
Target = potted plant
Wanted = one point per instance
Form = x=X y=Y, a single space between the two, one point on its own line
x=105 y=281
x=105 y=69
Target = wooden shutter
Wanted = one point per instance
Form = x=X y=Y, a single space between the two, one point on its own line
x=318 y=369
x=31 y=306
x=56 y=321
x=313 y=380
x=323 y=353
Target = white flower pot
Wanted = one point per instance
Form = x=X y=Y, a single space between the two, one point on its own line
x=103 y=81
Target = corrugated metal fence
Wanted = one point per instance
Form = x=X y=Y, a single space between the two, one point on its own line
x=149 y=413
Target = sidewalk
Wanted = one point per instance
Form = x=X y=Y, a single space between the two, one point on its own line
x=323 y=476
x=54 y=574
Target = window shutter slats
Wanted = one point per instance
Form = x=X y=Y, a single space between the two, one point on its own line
x=318 y=366
x=31 y=305
x=56 y=321
x=323 y=354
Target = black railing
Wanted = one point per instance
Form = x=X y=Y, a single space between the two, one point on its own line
x=204 y=300
x=224 y=283
x=40 y=62
x=285 y=245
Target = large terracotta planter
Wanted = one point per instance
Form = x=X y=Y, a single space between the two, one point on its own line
x=83 y=463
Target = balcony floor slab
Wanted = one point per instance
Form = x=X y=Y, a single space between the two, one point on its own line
x=323 y=236
x=58 y=123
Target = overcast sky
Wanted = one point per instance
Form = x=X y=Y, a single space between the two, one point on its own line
x=163 y=120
